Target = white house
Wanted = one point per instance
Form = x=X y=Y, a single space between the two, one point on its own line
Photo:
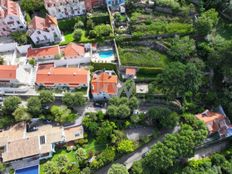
x=11 y=17
x=44 y=30
x=104 y=85
x=65 y=8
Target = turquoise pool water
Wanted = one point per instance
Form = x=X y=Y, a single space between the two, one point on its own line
x=29 y=170
x=106 y=54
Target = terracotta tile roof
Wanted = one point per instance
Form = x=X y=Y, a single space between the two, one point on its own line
x=9 y=8
x=38 y=23
x=43 y=52
x=212 y=120
x=73 y=50
x=21 y=149
x=8 y=72
x=208 y=116
x=21 y=144
x=68 y=76
x=104 y=82
x=73 y=133
x=45 y=66
x=131 y=71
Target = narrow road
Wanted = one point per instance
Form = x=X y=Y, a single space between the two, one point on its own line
x=129 y=159
x=212 y=148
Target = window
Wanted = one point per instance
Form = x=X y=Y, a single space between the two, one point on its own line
x=42 y=139
x=21 y=27
x=18 y=22
x=38 y=32
x=77 y=134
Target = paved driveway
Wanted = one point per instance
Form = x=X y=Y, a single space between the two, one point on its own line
x=137 y=133
x=87 y=108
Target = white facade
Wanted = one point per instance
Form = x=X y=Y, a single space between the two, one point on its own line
x=65 y=9
x=40 y=37
x=102 y=96
x=11 y=22
x=44 y=31
x=70 y=62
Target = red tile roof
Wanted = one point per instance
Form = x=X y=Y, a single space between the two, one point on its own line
x=60 y=75
x=72 y=50
x=9 y=8
x=8 y=72
x=42 y=23
x=104 y=82
x=131 y=71
x=211 y=119
x=42 y=52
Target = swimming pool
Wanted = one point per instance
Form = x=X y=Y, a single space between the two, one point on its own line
x=106 y=54
x=29 y=170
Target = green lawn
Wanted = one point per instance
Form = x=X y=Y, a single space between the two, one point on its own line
x=142 y=57
x=70 y=155
x=94 y=147
x=69 y=38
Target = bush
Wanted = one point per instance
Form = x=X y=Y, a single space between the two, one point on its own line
x=106 y=66
x=20 y=37
x=79 y=24
x=67 y=25
x=102 y=30
x=77 y=34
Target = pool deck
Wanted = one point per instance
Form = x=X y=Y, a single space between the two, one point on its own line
x=21 y=164
x=97 y=59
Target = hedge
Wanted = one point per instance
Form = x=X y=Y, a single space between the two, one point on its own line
x=104 y=66
x=67 y=25
x=149 y=71
x=101 y=19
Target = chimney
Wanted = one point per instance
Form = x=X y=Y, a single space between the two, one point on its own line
x=205 y=113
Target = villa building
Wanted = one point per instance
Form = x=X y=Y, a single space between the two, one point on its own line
x=44 y=53
x=216 y=123
x=44 y=30
x=65 y=8
x=11 y=17
x=71 y=54
x=104 y=85
x=19 y=142
x=61 y=77
x=74 y=54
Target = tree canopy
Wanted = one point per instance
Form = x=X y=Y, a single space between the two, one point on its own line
x=10 y=104
x=174 y=80
x=117 y=169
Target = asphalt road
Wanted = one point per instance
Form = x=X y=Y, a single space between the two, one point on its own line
x=129 y=159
